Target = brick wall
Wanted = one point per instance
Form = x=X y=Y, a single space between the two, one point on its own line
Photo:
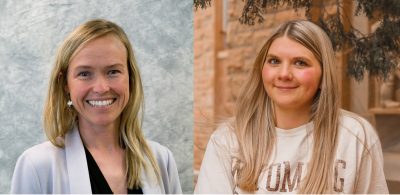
x=204 y=75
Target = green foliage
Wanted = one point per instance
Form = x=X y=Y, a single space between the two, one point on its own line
x=377 y=53
x=201 y=4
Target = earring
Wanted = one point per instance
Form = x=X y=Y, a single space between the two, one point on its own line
x=69 y=103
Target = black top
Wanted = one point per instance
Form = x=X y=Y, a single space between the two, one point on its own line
x=98 y=182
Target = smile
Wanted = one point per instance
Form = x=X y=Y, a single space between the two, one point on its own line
x=285 y=87
x=101 y=103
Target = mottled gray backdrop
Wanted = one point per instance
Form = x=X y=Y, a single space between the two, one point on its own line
x=162 y=36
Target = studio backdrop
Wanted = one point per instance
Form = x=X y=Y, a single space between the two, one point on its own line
x=161 y=33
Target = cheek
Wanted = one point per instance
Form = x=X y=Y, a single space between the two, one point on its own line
x=77 y=92
x=77 y=89
x=310 y=78
x=123 y=86
x=267 y=75
x=268 y=80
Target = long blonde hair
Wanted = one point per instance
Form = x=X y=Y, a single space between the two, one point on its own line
x=59 y=119
x=254 y=123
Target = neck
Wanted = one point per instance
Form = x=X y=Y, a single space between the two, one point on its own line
x=100 y=137
x=291 y=118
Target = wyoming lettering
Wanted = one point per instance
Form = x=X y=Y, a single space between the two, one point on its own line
x=290 y=180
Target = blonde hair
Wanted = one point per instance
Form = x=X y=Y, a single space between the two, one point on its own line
x=254 y=123
x=59 y=119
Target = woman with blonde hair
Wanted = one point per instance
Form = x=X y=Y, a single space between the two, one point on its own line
x=92 y=118
x=288 y=134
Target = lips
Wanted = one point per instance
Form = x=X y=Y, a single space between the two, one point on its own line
x=101 y=103
x=286 y=87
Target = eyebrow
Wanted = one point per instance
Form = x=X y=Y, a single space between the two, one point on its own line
x=115 y=65
x=305 y=58
x=272 y=55
x=90 y=67
x=302 y=58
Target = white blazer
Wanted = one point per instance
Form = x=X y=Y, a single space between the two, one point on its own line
x=48 y=169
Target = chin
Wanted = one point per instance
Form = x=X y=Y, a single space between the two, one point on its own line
x=103 y=121
x=288 y=105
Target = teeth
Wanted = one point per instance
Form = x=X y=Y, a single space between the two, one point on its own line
x=100 y=103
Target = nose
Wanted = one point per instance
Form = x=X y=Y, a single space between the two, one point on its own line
x=101 y=85
x=285 y=73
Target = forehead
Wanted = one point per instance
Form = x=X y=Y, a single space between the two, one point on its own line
x=289 y=47
x=104 y=50
x=109 y=41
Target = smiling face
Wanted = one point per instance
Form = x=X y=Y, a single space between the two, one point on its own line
x=98 y=81
x=291 y=74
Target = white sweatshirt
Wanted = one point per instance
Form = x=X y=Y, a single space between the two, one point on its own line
x=358 y=167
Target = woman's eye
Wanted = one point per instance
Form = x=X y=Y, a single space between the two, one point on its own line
x=84 y=74
x=273 y=61
x=300 y=63
x=113 y=72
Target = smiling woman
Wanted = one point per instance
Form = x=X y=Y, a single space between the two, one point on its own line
x=98 y=82
x=289 y=134
x=93 y=119
x=291 y=77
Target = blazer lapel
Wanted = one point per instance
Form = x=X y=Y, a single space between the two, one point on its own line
x=78 y=172
x=149 y=183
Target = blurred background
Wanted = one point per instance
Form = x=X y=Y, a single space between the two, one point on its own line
x=224 y=50
x=161 y=33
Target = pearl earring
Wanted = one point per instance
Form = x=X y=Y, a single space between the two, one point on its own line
x=69 y=103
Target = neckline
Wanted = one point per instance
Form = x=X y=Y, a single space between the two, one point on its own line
x=294 y=131
x=98 y=182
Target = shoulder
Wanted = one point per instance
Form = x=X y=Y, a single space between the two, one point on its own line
x=224 y=133
x=224 y=136
x=162 y=154
x=34 y=168
x=224 y=130
x=168 y=170
x=41 y=155
x=358 y=127
x=159 y=150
